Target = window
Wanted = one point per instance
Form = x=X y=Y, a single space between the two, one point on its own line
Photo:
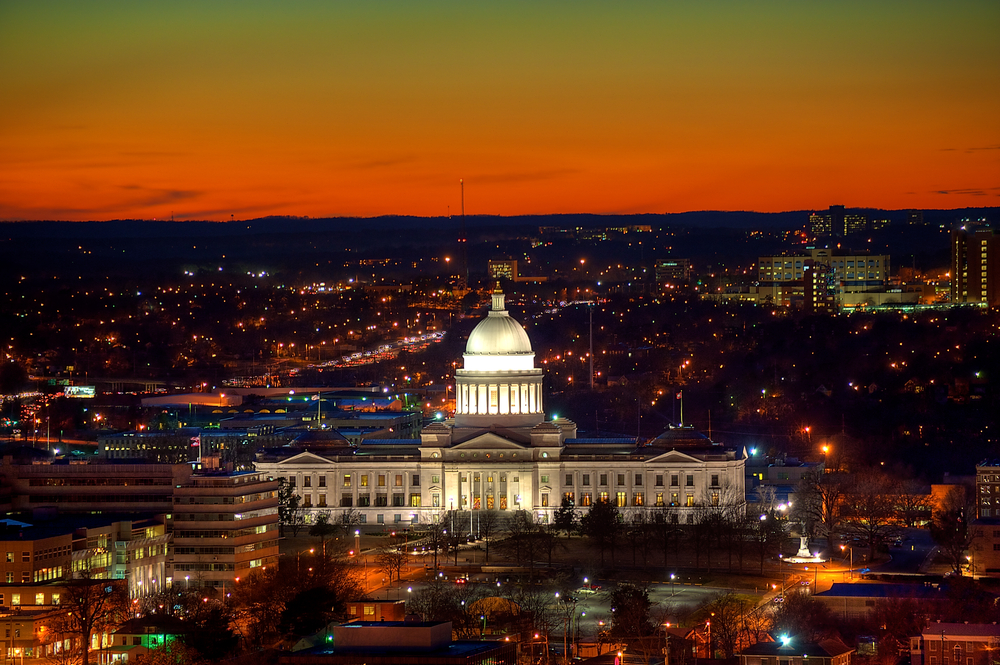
x=715 y=480
x=55 y=599
x=603 y=496
x=10 y=557
x=15 y=599
x=415 y=480
x=690 y=501
x=673 y=480
x=436 y=500
x=673 y=498
x=659 y=480
x=25 y=556
x=568 y=496
x=604 y=480
x=690 y=481
x=569 y=479
x=322 y=481
x=715 y=498
x=620 y=479
x=346 y=500
x=25 y=577
x=39 y=599
x=621 y=499
x=414 y=501
x=307 y=481
x=10 y=578
x=291 y=481
x=435 y=479
x=934 y=645
x=381 y=480
x=586 y=479
x=585 y=499
x=399 y=480
x=638 y=499
x=364 y=480
x=638 y=479
x=397 y=501
x=347 y=480
x=659 y=499
x=364 y=500
x=545 y=500
x=380 y=519
x=545 y=479
x=322 y=501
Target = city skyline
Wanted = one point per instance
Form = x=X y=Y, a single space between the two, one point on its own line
x=208 y=112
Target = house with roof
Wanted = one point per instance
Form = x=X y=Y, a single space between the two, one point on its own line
x=790 y=651
x=956 y=644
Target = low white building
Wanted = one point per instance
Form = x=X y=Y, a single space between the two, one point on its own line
x=499 y=453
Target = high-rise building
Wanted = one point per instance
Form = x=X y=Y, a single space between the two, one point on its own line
x=224 y=525
x=503 y=269
x=838 y=222
x=975 y=265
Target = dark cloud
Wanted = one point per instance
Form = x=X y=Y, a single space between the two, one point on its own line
x=524 y=176
x=969 y=191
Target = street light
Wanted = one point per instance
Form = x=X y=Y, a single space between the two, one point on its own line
x=672 y=576
x=782 y=573
x=842 y=547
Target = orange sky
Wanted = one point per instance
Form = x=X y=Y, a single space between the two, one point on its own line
x=206 y=110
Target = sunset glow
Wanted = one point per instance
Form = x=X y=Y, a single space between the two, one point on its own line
x=211 y=110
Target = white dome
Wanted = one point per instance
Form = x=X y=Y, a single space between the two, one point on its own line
x=498 y=342
x=498 y=336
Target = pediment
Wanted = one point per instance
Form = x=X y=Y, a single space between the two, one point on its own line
x=676 y=456
x=489 y=441
x=305 y=459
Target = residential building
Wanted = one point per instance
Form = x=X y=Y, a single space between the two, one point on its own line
x=402 y=643
x=853 y=601
x=955 y=644
x=793 y=652
x=988 y=489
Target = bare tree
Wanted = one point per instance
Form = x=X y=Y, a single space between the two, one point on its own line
x=870 y=508
x=950 y=527
x=913 y=503
x=291 y=515
x=820 y=502
x=489 y=525
x=391 y=561
x=730 y=612
x=92 y=605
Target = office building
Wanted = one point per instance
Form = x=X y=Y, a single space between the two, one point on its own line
x=975 y=266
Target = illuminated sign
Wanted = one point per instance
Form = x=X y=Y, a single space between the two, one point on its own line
x=80 y=391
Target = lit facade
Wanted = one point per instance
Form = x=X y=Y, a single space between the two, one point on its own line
x=500 y=453
x=224 y=524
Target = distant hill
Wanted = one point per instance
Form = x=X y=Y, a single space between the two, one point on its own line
x=138 y=228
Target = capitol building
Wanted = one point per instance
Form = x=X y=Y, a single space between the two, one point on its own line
x=500 y=453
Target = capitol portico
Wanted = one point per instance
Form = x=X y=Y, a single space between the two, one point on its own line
x=499 y=453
